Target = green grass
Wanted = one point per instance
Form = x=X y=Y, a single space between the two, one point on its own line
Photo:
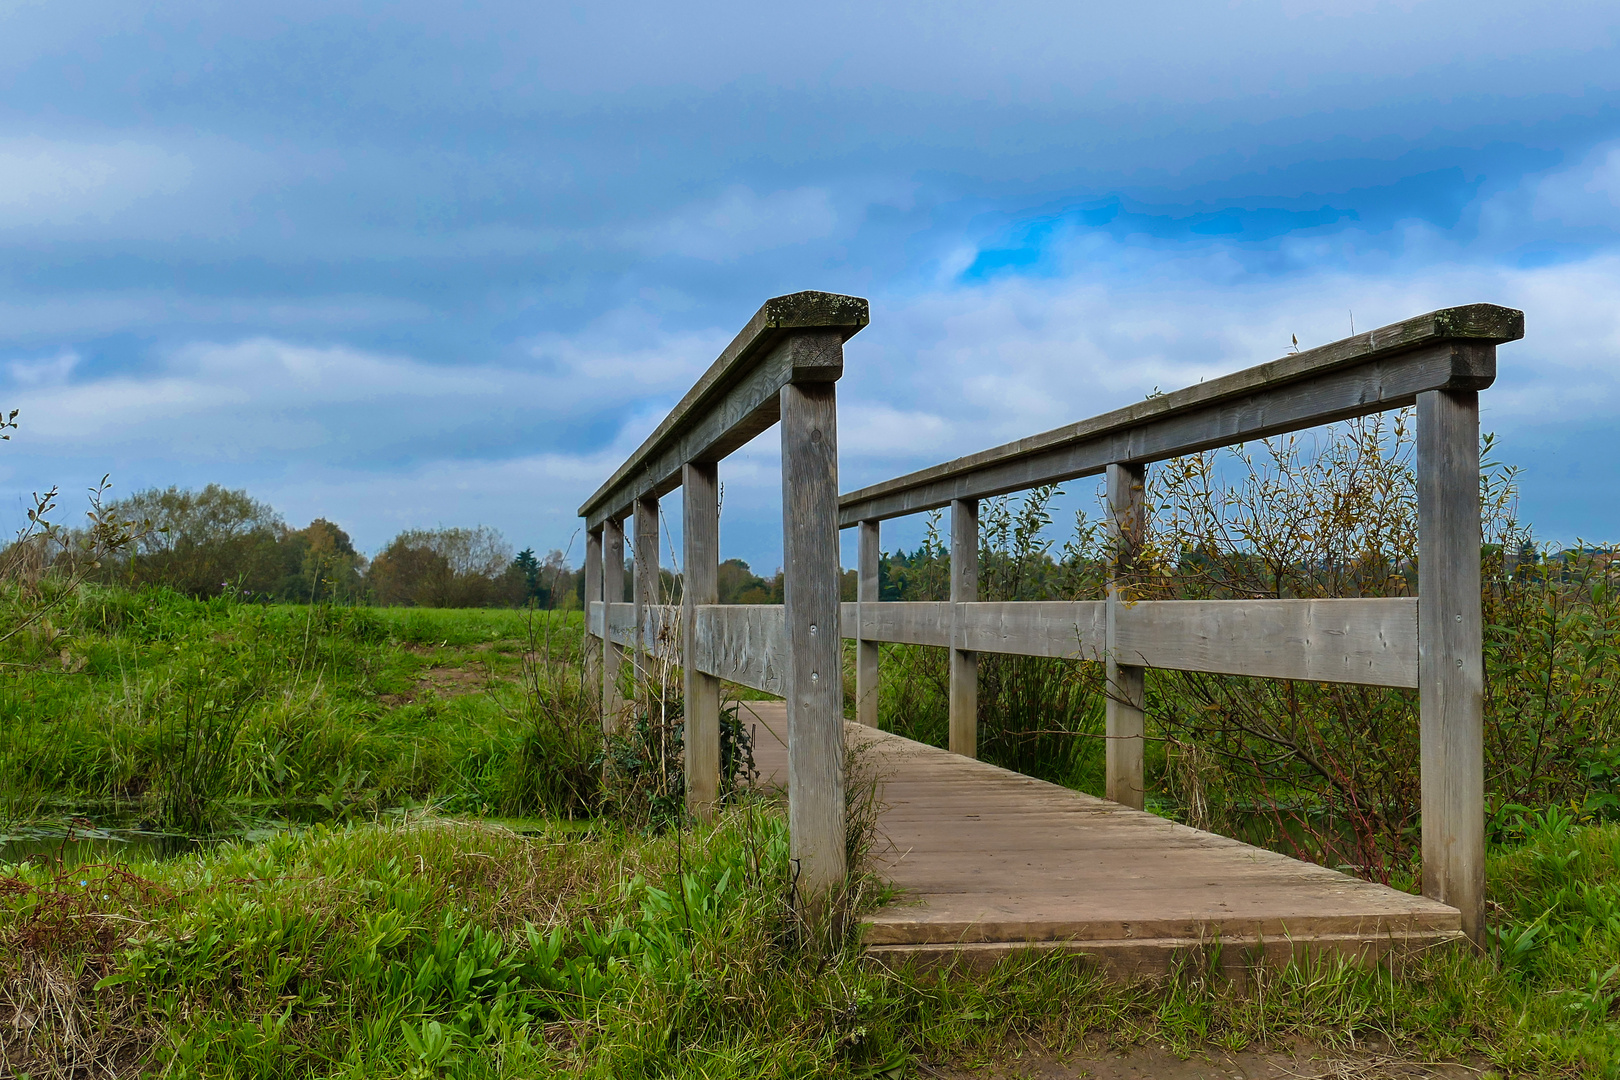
x=434 y=947
x=269 y=709
x=400 y=931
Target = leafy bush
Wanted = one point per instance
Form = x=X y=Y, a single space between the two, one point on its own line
x=1328 y=771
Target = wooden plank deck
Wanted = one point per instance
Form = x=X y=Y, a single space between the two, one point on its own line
x=990 y=862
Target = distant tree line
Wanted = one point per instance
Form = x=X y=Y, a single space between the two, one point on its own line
x=216 y=540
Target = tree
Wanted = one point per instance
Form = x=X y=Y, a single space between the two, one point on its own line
x=529 y=566
x=738 y=584
x=321 y=563
x=447 y=568
x=203 y=542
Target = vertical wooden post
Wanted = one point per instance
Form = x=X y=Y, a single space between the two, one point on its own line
x=815 y=685
x=593 y=594
x=612 y=651
x=867 y=586
x=964 y=738
x=1451 y=669
x=1125 y=722
x=700 y=540
x=644 y=587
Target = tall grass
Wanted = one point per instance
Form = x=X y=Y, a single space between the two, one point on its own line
x=428 y=947
x=189 y=713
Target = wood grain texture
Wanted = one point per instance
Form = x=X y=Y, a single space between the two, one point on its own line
x=1451 y=671
x=742 y=643
x=815 y=684
x=913 y=622
x=645 y=588
x=1371 y=641
x=1125 y=718
x=621 y=624
x=593 y=595
x=964 y=663
x=1382 y=369
x=612 y=652
x=1057 y=628
x=656 y=463
x=987 y=860
x=700 y=543
x=866 y=649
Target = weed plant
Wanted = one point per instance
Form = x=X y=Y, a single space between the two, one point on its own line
x=431 y=947
x=1325 y=771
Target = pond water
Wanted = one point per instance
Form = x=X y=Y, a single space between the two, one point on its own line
x=68 y=836
x=103 y=834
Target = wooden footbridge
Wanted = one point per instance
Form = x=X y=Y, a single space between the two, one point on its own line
x=987 y=860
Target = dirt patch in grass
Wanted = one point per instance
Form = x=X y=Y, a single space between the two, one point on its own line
x=451 y=681
x=1160 y=1063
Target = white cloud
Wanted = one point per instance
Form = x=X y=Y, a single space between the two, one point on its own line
x=1586 y=194
x=994 y=362
x=741 y=222
x=874 y=430
x=48 y=372
x=43 y=182
x=382 y=441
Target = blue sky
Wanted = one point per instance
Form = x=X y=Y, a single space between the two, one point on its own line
x=415 y=264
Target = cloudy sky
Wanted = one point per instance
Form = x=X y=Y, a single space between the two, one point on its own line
x=414 y=264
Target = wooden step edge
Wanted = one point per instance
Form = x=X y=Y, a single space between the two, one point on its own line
x=891 y=927
x=1145 y=957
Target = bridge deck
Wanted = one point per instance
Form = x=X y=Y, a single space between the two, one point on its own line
x=991 y=861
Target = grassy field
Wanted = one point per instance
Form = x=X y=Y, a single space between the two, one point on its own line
x=398 y=885
x=211 y=715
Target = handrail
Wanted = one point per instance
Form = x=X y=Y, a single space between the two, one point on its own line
x=1380 y=369
x=735 y=399
x=1434 y=642
x=783 y=367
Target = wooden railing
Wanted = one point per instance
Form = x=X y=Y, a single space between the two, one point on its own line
x=783 y=366
x=1433 y=642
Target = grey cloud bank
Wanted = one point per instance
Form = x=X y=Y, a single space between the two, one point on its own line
x=402 y=265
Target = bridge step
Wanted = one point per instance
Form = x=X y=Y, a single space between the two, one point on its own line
x=1133 y=958
x=989 y=863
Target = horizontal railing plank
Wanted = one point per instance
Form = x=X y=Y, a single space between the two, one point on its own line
x=1451 y=349
x=736 y=398
x=1076 y=629
x=743 y=643
x=914 y=623
x=1368 y=641
x=621 y=622
x=1371 y=641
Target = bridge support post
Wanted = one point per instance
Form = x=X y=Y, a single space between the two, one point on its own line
x=814 y=684
x=867 y=588
x=964 y=736
x=612 y=651
x=1126 y=717
x=1451 y=668
x=700 y=541
x=593 y=594
x=644 y=590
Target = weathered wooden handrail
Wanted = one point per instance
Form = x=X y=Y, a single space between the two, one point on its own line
x=1437 y=361
x=782 y=368
x=1452 y=349
x=1371 y=642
